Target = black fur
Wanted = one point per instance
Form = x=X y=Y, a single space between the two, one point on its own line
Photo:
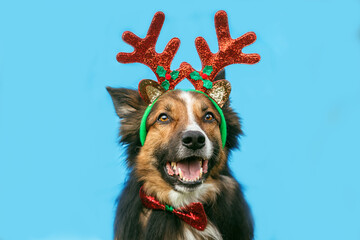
x=230 y=212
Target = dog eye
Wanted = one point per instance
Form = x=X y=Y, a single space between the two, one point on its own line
x=209 y=117
x=163 y=118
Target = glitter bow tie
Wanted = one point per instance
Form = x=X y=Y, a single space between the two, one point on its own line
x=193 y=214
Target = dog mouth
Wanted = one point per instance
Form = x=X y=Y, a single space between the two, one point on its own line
x=191 y=170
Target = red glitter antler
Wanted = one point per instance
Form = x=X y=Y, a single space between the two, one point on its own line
x=230 y=51
x=144 y=52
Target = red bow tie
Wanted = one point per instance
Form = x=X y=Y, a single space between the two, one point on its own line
x=193 y=214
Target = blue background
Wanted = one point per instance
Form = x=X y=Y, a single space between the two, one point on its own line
x=61 y=168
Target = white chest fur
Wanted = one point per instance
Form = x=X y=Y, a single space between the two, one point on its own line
x=210 y=233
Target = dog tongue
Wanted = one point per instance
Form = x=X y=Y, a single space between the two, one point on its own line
x=190 y=168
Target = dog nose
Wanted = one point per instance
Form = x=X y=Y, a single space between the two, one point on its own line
x=193 y=140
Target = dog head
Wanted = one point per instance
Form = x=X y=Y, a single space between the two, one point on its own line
x=183 y=148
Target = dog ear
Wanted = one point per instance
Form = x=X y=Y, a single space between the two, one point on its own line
x=130 y=108
x=220 y=75
x=126 y=101
x=150 y=90
x=220 y=92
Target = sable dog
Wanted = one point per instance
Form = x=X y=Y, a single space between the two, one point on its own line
x=184 y=159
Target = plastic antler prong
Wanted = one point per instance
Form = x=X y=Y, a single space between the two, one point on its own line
x=144 y=48
x=130 y=38
x=230 y=50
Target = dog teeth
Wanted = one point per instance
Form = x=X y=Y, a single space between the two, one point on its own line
x=180 y=173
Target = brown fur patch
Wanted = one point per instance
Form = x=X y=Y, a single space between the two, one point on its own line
x=146 y=171
x=144 y=216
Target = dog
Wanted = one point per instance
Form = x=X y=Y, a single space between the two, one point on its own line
x=183 y=131
x=178 y=143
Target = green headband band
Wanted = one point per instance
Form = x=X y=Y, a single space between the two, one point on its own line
x=223 y=131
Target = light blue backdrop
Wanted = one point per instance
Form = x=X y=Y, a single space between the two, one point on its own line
x=61 y=168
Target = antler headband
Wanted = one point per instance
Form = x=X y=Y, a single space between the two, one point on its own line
x=230 y=52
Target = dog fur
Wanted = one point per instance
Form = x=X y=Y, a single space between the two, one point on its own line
x=227 y=212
